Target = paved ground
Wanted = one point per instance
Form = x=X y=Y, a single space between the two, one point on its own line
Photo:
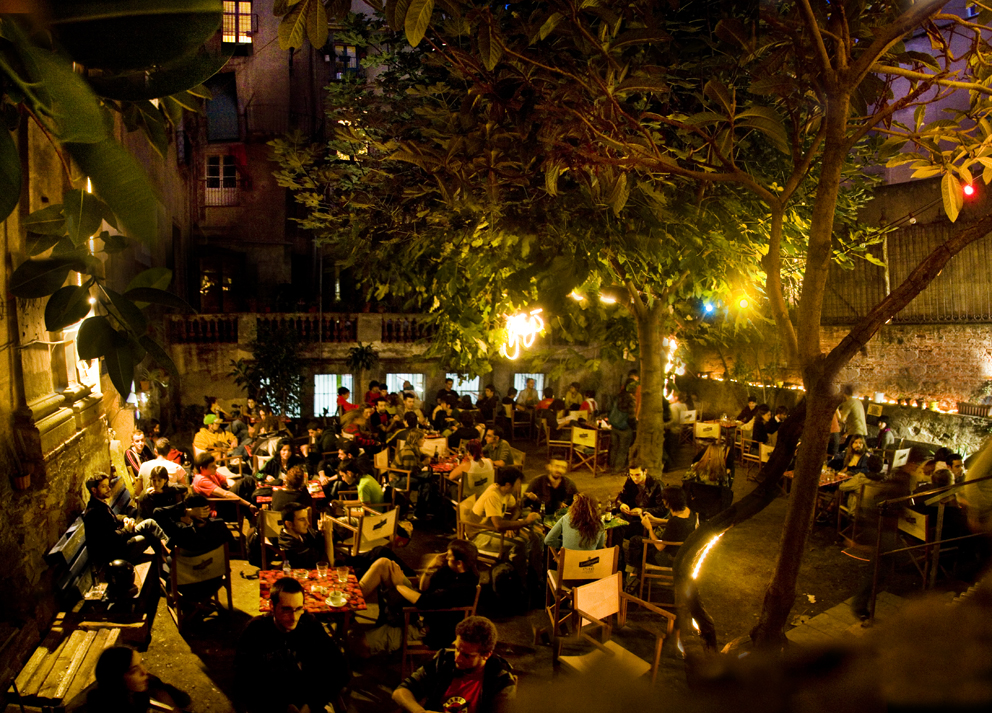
x=732 y=586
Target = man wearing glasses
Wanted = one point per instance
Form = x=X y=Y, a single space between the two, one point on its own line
x=285 y=661
x=465 y=679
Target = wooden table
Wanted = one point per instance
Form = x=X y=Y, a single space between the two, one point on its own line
x=316 y=602
x=313 y=487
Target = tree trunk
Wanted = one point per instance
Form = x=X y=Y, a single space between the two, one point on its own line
x=650 y=442
x=781 y=592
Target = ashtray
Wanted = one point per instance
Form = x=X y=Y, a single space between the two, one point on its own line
x=337 y=599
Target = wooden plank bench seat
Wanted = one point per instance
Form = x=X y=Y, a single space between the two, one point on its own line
x=61 y=668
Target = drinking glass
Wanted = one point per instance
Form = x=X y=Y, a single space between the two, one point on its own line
x=342 y=575
x=322 y=570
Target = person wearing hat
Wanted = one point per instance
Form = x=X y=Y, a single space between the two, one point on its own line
x=552 y=489
x=886 y=439
x=212 y=438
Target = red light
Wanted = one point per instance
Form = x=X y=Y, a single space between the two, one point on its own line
x=969 y=190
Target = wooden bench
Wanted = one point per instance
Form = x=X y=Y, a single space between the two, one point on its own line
x=61 y=668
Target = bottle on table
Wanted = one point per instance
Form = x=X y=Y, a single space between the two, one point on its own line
x=436 y=459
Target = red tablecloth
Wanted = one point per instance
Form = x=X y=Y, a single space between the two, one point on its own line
x=314 y=602
x=313 y=487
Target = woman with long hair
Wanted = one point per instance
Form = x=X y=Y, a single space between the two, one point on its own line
x=479 y=471
x=124 y=686
x=279 y=464
x=580 y=529
x=711 y=468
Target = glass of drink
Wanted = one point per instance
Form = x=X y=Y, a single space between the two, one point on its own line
x=322 y=570
x=342 y=575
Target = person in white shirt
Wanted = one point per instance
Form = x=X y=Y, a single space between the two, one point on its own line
x=498 y=509
x=177 y=474
x=852 y=413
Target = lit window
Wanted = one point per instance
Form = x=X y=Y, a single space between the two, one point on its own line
x=520 y=382
x=345 y=60
x=221 y=181
x=394 y=383
x=237 y=23
x=325 y=392
x=465 y=386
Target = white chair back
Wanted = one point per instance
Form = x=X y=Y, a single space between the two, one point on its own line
x=688 y=417
x=377 y=530
x=600 y=598
x=588 y=564
x=899 y=458
x=701 y=430
x=765 y=451
x=585 y=437
x=191 y=569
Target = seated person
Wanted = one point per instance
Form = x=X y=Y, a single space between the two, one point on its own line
x=466 y=431
x=573 y=397
x=294 y=490
x=580 y=529
x=212 y=484
x=680 y=524
x=124 y=685
x=190 y=526
x=710 y=467
x=380 y=420
x=212 y=438
x=300 y=544
x=447 y=392
x=449 y=581
x=589 y=403
x=344 y=406
x=554 y=489
x=468 y=677
x=443 y=417
x=488 y=403
x=955 y=523
x=137 y=454
x=871 y=474
x=165 y=457
x=641 y=493
x=285 y=661
x=854 y=460
x=747 y=413
x=410 y=406
x=496 y=448
x=549 y=397
x=274 y=471
x=497 y=510
x=321 y=441
x=374 y=395
x=764 y=425
x=109 y=536
x=161 y=493
x=410 y=457
x=408 y=422
x=354 y=425
x=477 y=471
x=369 y=490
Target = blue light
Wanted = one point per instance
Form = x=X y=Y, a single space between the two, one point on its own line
x=708 y=308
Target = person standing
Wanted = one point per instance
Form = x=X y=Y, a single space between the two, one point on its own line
x=621 y=432
x=852 y=413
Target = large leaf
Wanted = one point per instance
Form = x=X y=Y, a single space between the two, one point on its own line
x=418 y=18
x=37 y=244
x=293 y=28
x=128 y=311
x=142 y=296
x=120 y=181
x=156 y=277
x=67 y=306
x=490 y=50
x=46 y=221
x=317 y=23
x=950 y=191
x=119 y=360
x=161 y=357
x=39 y=278
x=74 y=112
x=10 y=174
x=83 y=214
x=95 y=338
x=167 y=80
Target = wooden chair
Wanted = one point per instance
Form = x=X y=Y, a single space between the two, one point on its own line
x=269 y=528
x=518 y=458
x=412 y=647
x=653 y=575
x=371 y=529
x=467 y=530
x=702 y=431
x=688 y=423
x=382 y=467
x=187 y=569
x=237 y=526
x=849 y=533
x=595 y=603
x=562 y=448
x=585 y=447
x=751 y=458
x=517 y=424
x=540 y=432
x=574 y=567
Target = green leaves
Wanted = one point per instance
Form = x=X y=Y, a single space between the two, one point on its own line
x=96 y=337
x=490 y=50
x=120 y=361
x=67 y=306
x=39 y=278
x=170 y=79
x=154 y=277
x=292 y=28
x=417 y=20
x=83 y=215
x=950 y=192
x=149 y=295
x=10 y=174
x=122 y=184
x=47 y=221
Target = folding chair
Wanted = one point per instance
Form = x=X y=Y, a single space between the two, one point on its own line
x=380 y=461
x=269 y=528
x=585 y=448
x=702 y=431
x=851 y=512
x=575 y=567
x=413 y=647
x=516 y=424
x=556 y=446
x=371 y=529
x=237 y=527
x=540 y=427
x=594 y=603
x=751 y=457
x=468 y=530
x=518 y=458
x=899 y=458
x=197 y=569
x=688 y=421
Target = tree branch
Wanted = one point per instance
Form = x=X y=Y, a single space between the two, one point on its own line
x=814 y=27
x=917 y=281
x=890 y=34
x=931 y=78
x=772 y=265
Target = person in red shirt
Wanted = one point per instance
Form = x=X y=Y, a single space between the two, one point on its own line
x=549 y=397
x=374 y=393
x=343 y=405
x=211 y=484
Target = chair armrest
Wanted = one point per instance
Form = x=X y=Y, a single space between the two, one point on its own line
x=604 y=626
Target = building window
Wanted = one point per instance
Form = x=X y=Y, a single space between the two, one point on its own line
x=345 y=61
x=394 y=383
x=223 y=118
x=465 y=386
x=325 y=392
x=520 y=382
x=221 y=180
x=238 y=28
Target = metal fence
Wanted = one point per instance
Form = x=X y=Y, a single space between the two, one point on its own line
x=962 y=293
